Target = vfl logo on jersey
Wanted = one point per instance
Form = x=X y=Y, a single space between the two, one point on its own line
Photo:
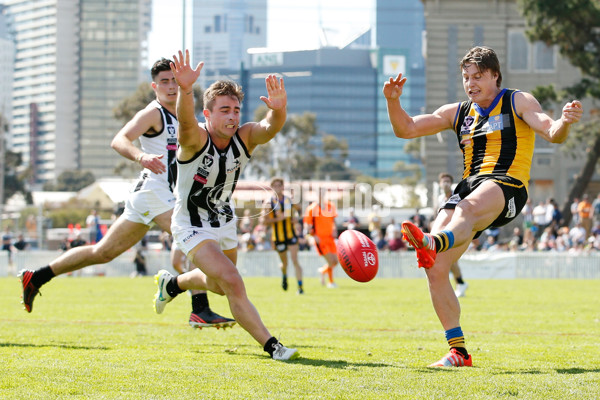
x=171 y=138
x=512 y=209
x=466 y=126
x=204 y=169
x=465 y=130
x=236 y=165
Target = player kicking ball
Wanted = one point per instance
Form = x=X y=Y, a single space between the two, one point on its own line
x=496 y=129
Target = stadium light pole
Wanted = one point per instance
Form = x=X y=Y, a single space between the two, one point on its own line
x=183 y=25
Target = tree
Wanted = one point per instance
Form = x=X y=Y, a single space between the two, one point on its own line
x=292 y=153
x=574 y=26
x=137 y=101
x=14 y=182
x=71 y=181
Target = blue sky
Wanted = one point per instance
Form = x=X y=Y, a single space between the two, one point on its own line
x=291 y=25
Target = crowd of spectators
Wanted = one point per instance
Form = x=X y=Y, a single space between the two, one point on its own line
x=541 y=228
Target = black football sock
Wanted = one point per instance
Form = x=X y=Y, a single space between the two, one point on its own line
x=199 y=302
x=459 y=280
x=269 y=345
x=463 y=351
x=41 y=276
x=173 y=288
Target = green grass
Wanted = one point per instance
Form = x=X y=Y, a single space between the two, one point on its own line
x=98 y=338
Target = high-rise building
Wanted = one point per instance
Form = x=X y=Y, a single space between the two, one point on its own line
x=7 y=50
x=342 y=86
x=75 y=61
x=223 y=31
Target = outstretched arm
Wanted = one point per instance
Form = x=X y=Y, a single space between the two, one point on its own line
x=554 y=131
x=188 y=132
x=265 y=130
x=407 y=127
x=146 y=120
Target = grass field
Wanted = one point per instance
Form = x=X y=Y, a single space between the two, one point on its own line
x=98 y=338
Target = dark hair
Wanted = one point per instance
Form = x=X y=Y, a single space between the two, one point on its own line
x=159 y=66
x=484 y=59
x=445 y=175
x=222 y=88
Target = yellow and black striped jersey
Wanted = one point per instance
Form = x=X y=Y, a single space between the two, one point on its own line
x=495 y=140
x=282 y=231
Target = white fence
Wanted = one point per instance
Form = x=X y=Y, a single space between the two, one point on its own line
x=391 y=265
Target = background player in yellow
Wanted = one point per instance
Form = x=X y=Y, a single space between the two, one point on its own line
x=281 y=215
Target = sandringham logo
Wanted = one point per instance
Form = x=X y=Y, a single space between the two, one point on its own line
x=512 y=209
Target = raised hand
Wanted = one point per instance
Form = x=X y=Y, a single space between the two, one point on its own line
x=183 y=72
x=277 y=96
x=393 y=88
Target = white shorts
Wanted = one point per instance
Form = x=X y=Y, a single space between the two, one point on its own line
x=189 y=237
x=144 y=205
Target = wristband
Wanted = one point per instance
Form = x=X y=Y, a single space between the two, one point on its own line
x=138 y=158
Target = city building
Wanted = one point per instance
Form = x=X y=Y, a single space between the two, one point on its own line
x=223 y=31
x=342 y=85
x=75 y=60
x=7 y=49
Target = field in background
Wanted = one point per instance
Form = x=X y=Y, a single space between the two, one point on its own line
x=92 y=338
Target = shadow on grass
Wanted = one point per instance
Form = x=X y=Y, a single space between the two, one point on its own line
x=60 y=346
x=574 y=371
x=339 y=364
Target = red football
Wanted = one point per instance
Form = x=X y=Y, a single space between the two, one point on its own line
x=357 y=254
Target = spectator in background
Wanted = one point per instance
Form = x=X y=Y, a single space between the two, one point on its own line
x=574 y=211
x=352 y=221
x=539 y=218
x=140 y=258
x=527 y=215
x=78 y=241
x=93 y=224
x=379 y=240
x=584 y=210
x=374 y=220
x=21 y=244
x=596 y=210
x=245 y=225
x=396 y=243
x=517 y=238
x=556 y=217
x=260 y=235
x=65 y=244
x=577 y=234
x=391 y=230
x=7 y=244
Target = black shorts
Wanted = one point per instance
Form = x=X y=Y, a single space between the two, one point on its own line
x=282 y=246
x=515 y=196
